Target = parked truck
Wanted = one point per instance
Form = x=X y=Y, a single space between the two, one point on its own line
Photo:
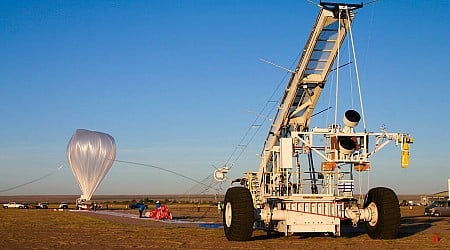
x=14 y=205
x=41 y=205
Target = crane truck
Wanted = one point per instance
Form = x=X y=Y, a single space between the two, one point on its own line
x=289 y=194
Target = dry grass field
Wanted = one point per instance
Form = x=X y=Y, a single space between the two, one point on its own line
x=49 y=229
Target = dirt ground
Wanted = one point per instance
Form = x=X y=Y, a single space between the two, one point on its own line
x=49 y=229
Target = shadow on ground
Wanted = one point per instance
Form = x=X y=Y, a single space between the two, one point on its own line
x=409 y=226
x=412 y=225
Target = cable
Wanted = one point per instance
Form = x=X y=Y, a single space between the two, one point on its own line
x=191 y=190
x=202 y=189
x=350 y=73
x=241 y=144
x=166 y=170
x=357 y=73
x=32 y=181
x=327 y=119
x=337 y=70
x=245 y=140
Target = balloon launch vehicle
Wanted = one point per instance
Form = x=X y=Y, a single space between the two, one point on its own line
x=288 y=193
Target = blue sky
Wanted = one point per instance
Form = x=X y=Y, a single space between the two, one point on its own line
x=173 y=82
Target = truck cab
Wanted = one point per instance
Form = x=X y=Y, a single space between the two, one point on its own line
x=438 y=208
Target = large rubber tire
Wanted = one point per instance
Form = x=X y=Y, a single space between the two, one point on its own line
x=388 y=215
x=238 y=216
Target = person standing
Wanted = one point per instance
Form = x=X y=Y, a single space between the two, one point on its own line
x=141 y=209
x=219 y=208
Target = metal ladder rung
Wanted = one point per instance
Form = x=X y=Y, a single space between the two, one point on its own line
x=323 y=50
x=318 y=60
x=327 y=40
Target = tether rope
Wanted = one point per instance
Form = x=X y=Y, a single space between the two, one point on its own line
x=32 y=181
x=166 y=170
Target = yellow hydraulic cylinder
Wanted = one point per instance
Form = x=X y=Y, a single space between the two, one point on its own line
x=250 y=182
x=405 y=151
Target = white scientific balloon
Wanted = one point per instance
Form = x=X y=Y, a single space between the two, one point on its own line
x=90 y=154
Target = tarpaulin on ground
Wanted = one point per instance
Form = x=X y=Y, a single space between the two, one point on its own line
x=161 y=213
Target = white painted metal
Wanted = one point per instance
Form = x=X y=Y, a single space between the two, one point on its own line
x=286 y=152
x=228 y=214
x=221 y=173
x=287 y=196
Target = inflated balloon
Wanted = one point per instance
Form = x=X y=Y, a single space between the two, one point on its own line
x=90 y=154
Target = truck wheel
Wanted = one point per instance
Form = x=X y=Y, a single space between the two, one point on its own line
x=437 y=214
x=238 y=216
x=385 y=222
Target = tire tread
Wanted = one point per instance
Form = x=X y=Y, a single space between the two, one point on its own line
x=241 y=227
x=388 y=213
